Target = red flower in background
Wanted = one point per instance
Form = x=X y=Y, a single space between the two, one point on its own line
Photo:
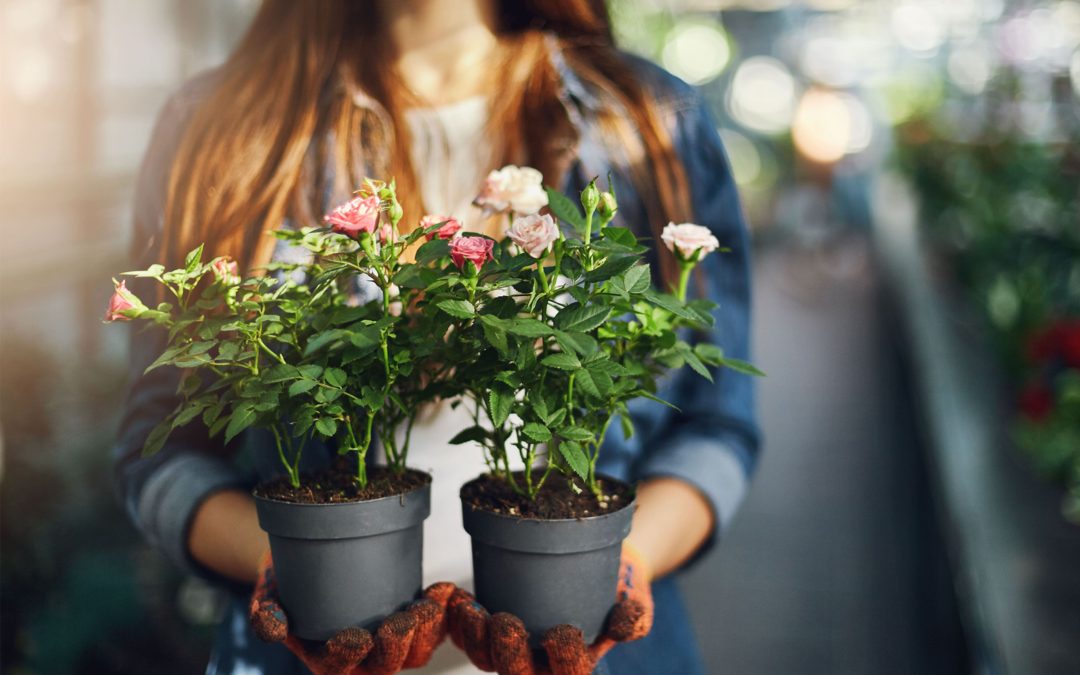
x=1059 y=340
x=1036 y=402
x=1070 y=343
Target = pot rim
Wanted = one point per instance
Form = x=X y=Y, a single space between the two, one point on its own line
x=353 y=503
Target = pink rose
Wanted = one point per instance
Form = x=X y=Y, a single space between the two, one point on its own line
x=512 y=188
x=689 y=238
x=122 y=300
x=476 y=250
x=534 y=234
x=226 y=271
x=448 y=230
x=361 y=214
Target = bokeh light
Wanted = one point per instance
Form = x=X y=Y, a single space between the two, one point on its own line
x=917 y=27
x=697 y=51
x=822 y=127
x=762 y=95
x=745 y=159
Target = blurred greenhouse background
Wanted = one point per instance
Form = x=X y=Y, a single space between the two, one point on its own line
x=911 y=171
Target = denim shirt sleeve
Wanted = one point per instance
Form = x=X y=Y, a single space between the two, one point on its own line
x=711 y=442
x=161 y=493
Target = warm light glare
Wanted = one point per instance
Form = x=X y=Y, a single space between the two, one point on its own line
x=822 y=126
x=763 y=95
x=697 y=52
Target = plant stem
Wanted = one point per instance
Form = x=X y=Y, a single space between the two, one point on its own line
x=684 y=277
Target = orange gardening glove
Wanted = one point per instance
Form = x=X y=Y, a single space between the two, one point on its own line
x=499 y=643
x=405 y=639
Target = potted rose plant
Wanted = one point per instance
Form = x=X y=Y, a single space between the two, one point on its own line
x=302 y=353
x=552 y=337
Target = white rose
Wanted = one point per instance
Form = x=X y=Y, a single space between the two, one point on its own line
x=688 y=238
x=534 y=234
x=513 y=188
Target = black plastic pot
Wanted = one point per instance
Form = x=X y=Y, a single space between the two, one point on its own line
x=348 y=564
x=548 y=572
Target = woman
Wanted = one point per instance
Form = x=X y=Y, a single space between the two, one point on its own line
x=436 y=93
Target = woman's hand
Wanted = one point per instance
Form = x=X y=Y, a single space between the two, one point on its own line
x=405 y=639
x=500 y=642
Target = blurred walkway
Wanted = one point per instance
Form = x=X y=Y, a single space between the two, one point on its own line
x=820 y=572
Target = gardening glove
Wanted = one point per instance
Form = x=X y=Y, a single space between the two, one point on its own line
x=406 y=639
x=500 y=643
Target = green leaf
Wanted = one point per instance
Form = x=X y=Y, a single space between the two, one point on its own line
x=620 y=235
x=575 y=458
x=335 y=377
x=582 y=343
x=537 y=433
x=562 y=361
x=228 y=351
x=311 y=371
x=191 y=261
x=157 y=438
x=529 y=328
x=576 y=433
x=584 y=380
x=241 y=419
x=694 y=362
x=301 y=386
x=322 y=339
x=582 y=317
x=627 y=425
x=473 y=434
x=500 y=400
x=565 y=210
x=615 y=266
x=709 y=353
x=432 y=251
x=526 y=356
x=279 y=373
x=742 y=367
x=495 y=335
x=166 y=358
x=188 y=413
x=327 y=426
x=637 y=279
x=189 y=385
x=671 y=304
x=365 y=338
x=461 y=309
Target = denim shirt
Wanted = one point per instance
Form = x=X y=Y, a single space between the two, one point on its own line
x=710 y=441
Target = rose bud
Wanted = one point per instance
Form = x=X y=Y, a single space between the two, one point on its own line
x=689 y=241
x=476 y=250
x=122 y=300
x=534 y=234
x=394 y=293
x=448 y=230
x=226 y=271
x=354 y=217
x=590 y=197
x=512 y=188
x=608 y=207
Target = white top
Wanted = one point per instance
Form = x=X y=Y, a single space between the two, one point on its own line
x=451 y=153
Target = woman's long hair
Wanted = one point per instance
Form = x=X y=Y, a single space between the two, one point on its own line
x=282 y=111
